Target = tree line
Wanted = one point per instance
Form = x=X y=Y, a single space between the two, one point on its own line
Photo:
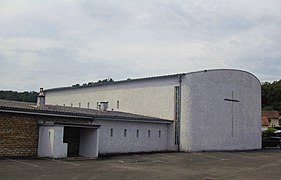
x=271 y=95
x=19 y=96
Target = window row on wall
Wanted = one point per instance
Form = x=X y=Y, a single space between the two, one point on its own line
x=137 y=133
x=94 y=107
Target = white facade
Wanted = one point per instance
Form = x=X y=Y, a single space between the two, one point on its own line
x=219 y=109
x=112 y=136
x=151 y=97
x=50 y=143
x=126 y=136
x=210 y=121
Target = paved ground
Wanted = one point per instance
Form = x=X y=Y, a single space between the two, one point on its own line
x=263 y=164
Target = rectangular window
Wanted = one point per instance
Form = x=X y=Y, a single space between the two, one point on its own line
x=125 y=132
x=71 y=104
x=117 y=104
x=159 y=135
x=138 y=133
x=79 y=105
x=97 y=105
x=148 y=133
x=111 y=132
x=88 y=105
x=63 y=104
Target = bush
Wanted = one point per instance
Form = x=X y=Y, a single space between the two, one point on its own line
x=267 y=133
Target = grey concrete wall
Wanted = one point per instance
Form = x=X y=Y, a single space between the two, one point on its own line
x=207 y=117
x=117 y=143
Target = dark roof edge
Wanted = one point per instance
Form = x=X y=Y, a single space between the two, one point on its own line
x=244 y=71
x=130 y=119
x=147 y=78
x=114 y=82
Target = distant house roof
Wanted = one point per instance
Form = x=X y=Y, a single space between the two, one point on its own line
x=271 y=114
x=264 y=121
x=55 y=110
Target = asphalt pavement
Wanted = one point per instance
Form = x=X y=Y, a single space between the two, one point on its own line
x=261 y=164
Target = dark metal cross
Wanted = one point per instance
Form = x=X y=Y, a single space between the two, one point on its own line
x=232 y=101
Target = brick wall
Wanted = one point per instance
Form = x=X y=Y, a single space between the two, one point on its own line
x=19 y=133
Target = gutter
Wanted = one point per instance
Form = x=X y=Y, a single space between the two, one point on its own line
x=134 y=120
x=45 y=114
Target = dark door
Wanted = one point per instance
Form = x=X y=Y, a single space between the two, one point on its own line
x=72 y=138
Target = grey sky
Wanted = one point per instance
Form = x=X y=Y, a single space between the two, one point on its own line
x=57 y=43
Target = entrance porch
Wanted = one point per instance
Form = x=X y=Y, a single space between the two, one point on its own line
x=68 y=140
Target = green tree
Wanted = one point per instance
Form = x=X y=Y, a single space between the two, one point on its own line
x=271 y=96
x=19 y=96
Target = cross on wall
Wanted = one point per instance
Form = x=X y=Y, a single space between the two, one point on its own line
x=232 y=100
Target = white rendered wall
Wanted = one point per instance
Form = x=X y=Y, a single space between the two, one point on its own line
x=151 y=97
x=51 y=142
x=89 y=142
x=117 y=143
x=207 y=117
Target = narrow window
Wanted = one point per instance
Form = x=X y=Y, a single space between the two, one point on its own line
x=79 y=105
x=148 y=133
x=71 y=104
x=111 y=132
x=125 y=132
x=118 y=104
x=138 y=132
x=159 y=135
x=97 y=105
x=88 y=105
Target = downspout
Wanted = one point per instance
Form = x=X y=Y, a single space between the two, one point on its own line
x=179 y=113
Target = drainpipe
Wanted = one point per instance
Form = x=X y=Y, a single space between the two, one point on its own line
x=179 y=113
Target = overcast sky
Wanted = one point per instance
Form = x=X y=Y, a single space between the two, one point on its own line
x=56 y=43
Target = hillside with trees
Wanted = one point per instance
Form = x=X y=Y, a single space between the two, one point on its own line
x=19 y=96
x=271 y=95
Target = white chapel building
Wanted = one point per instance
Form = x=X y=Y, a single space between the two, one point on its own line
x=207 y=110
